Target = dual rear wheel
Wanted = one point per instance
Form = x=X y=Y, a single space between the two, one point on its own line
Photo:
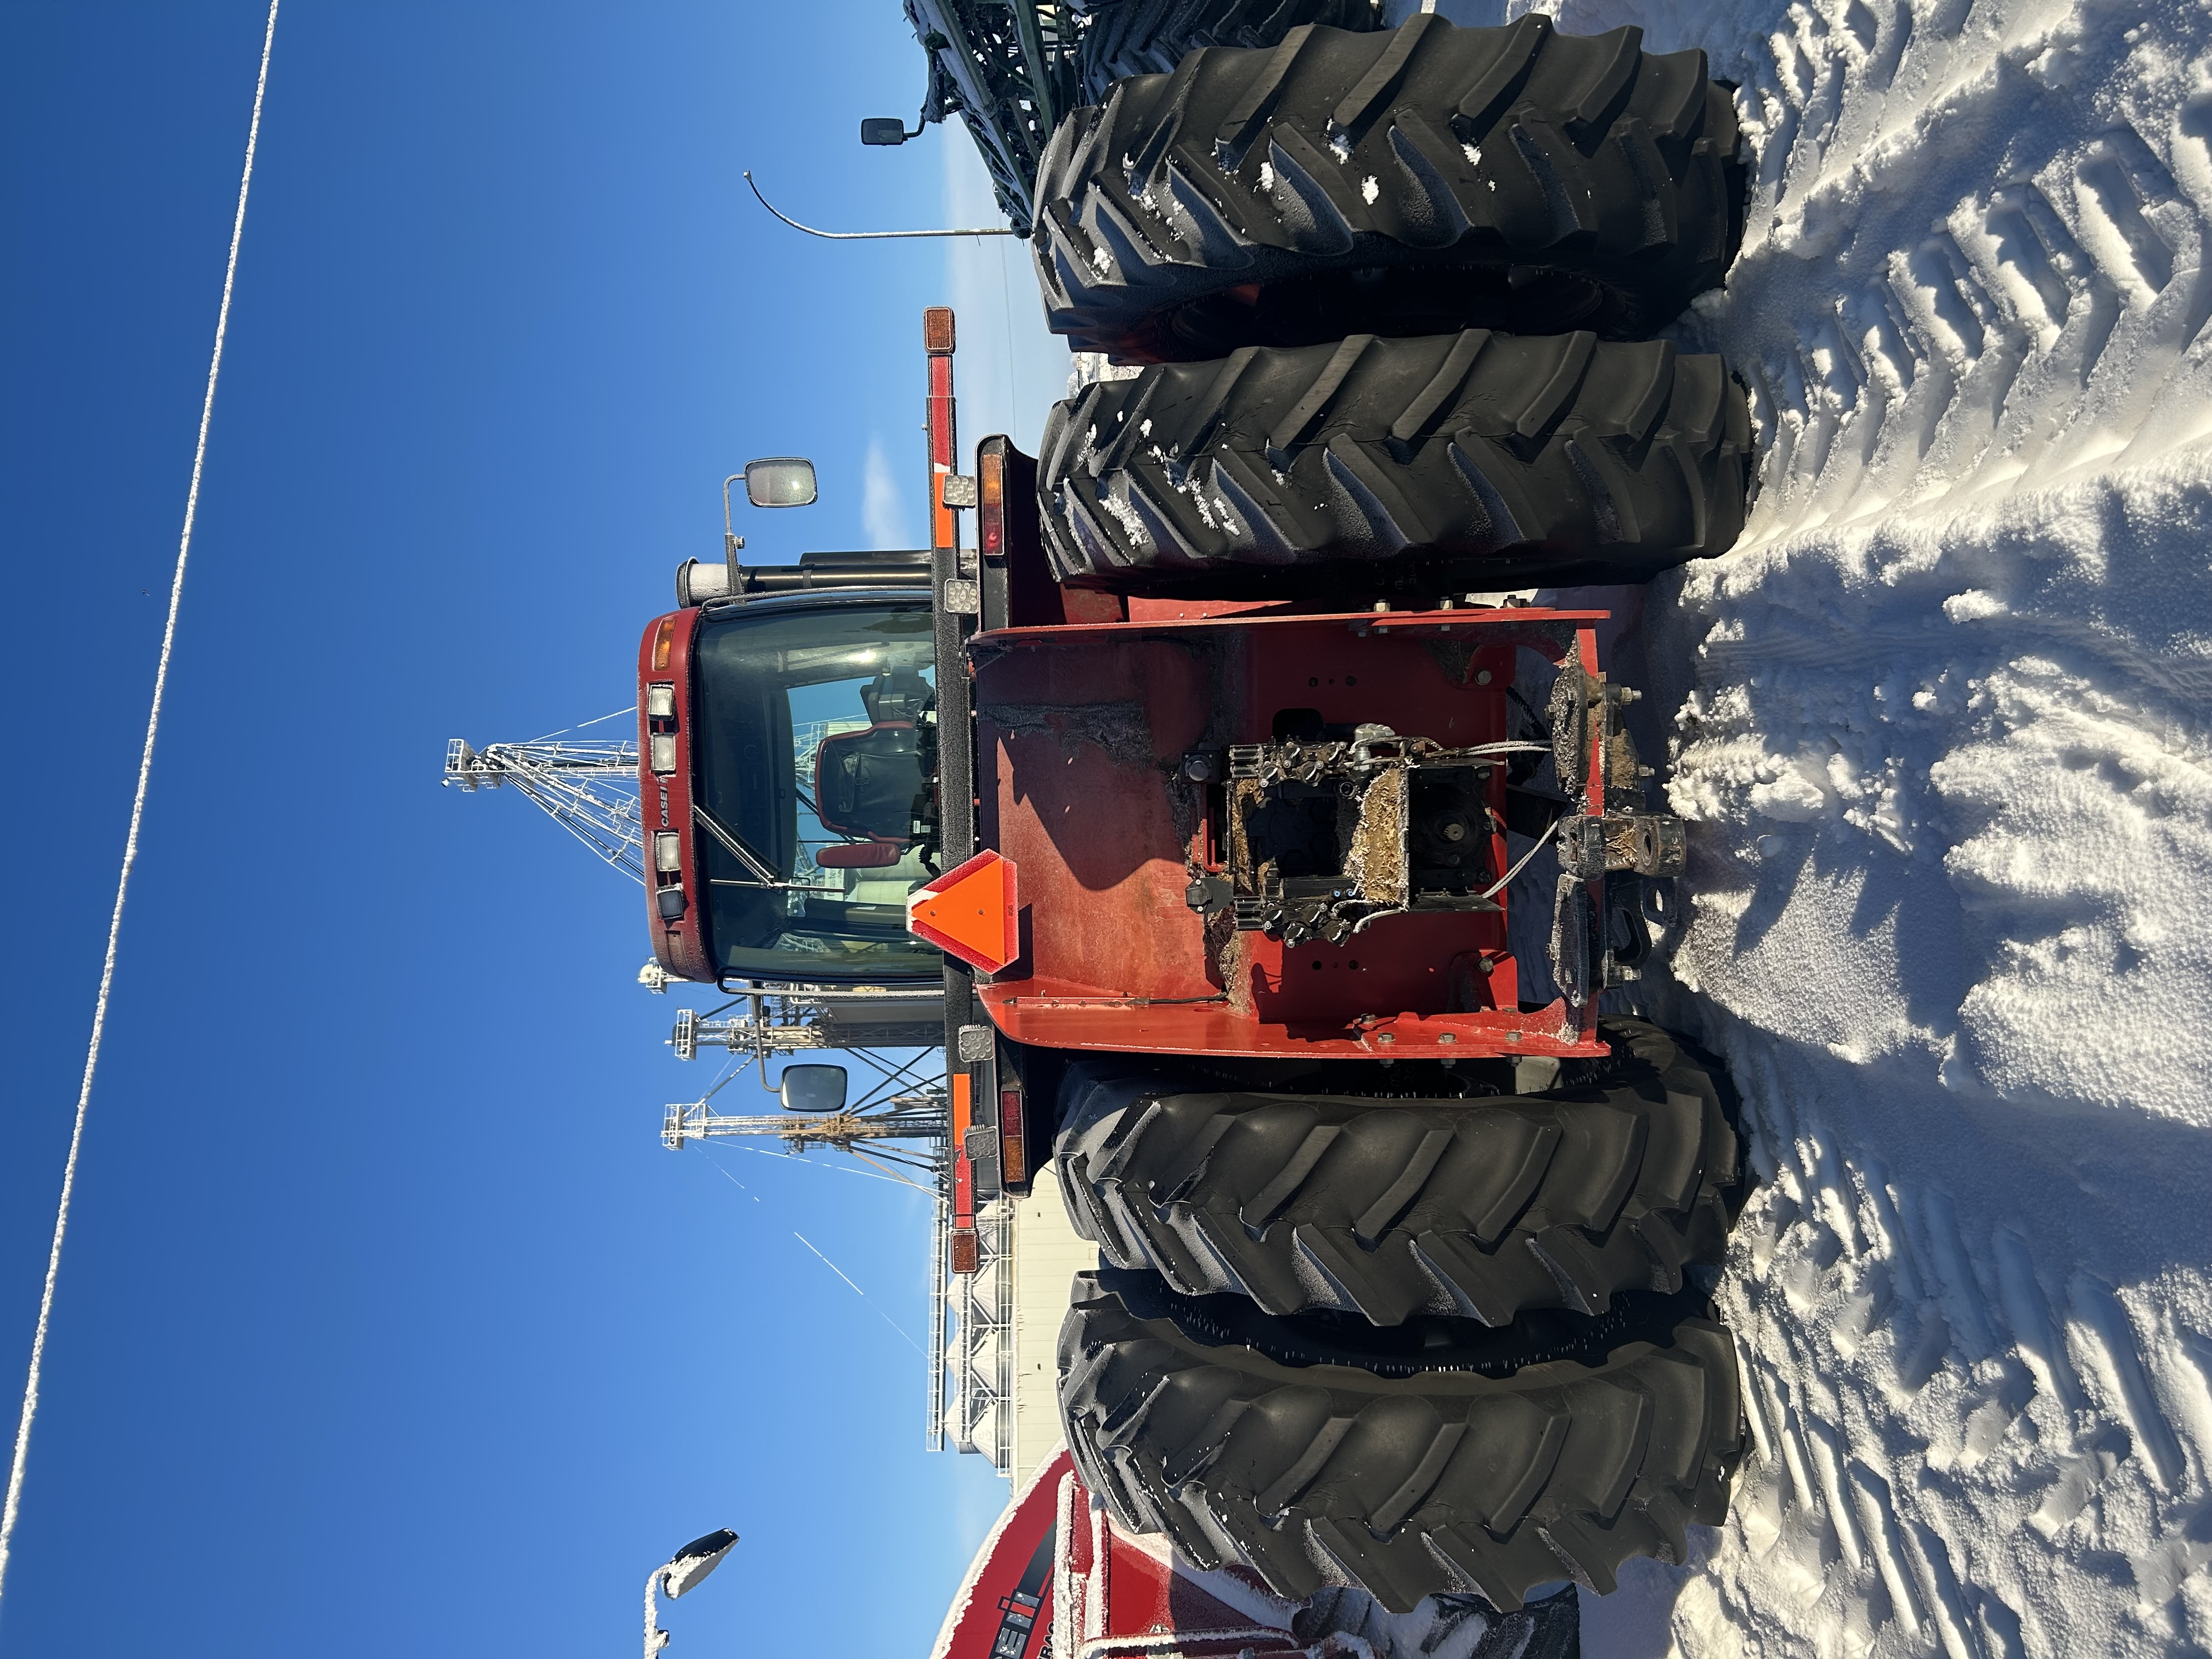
x=1411 y=1345
x=1384 y=277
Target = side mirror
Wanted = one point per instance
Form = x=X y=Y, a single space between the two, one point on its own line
x=813 y=1089
x=886 y=130
x=787 y=480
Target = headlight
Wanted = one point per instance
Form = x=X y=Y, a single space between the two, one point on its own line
x=664 y=753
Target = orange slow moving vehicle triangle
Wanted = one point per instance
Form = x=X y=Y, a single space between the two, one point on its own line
x=970 y=912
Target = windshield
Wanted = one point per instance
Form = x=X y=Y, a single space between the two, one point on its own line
x=773 y=688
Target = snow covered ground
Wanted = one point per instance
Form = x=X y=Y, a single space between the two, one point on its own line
x=1941 y=722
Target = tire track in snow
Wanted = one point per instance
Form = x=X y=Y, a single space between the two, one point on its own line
x=1907 y=325
x=1944 y=731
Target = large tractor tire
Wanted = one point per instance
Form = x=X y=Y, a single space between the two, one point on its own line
x=1474 y=460
x=1126 y=38
x=1479 y=1208
x=1450 y=1459
x=1416 y=181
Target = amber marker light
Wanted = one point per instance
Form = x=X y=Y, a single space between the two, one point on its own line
x=664 y=642
x=991 y=502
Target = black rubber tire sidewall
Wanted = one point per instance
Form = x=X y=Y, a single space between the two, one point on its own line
x=1611 y=195
x=1455 y=463
x=1326 y=1473
x=1617 y=1182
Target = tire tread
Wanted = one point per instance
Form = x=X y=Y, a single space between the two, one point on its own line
x=1475 y=455
x=1308 y=148
x=1478 y=1208
x=1328 y=1473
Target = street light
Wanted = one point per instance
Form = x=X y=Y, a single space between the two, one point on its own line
x=685 y=1568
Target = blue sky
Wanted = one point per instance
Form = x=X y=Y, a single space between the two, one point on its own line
x=387 y=1325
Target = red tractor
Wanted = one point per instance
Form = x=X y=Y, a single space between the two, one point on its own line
x=1280 y=867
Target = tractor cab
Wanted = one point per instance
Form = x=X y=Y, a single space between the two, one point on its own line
x=787 y=740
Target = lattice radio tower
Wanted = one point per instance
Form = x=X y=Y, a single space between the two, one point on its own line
x=589 y=789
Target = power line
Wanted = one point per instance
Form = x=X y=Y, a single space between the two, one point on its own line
x=825 y=1260
x=15 y=1501
x=857 y=1290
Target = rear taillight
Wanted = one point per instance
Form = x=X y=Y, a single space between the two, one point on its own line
x=991 y=502
x=1013 y=1152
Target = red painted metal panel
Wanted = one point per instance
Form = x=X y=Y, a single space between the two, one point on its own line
x=965 y=1250
x=1031 y=1011
x=1145 y=610
x=682 y=945
x=1118 y=1596
x=944 y=435
x=963 y=1168
x=1004 y=1607
x=1082 y=730
x=1078 y=606
x=1076 y=741
x=1057 y=1565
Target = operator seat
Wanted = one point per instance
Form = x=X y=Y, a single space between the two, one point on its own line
x=865 y=782
x=868 y=783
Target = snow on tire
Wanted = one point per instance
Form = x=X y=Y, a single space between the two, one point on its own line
x=1479 y=1208
x=1414 y=181
x=1122 y=38
x=1474 y=460
x=1454 y=1459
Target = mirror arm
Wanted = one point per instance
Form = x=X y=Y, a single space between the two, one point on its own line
x=731 y=540
x=873 y=235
